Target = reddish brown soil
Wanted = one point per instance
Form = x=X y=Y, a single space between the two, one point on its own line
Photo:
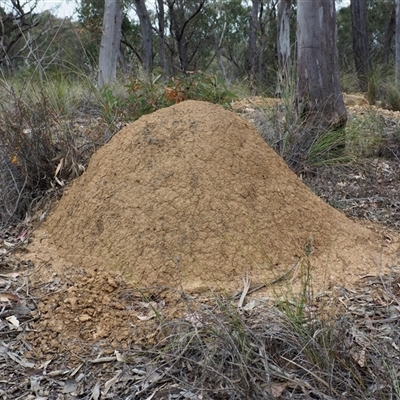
x=190 y=197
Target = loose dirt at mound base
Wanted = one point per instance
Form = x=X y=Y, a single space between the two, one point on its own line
x=191 y=198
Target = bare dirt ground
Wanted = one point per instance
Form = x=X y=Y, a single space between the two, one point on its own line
x=73 y=328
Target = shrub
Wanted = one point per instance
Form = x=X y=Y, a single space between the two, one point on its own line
x=39 y=150
x=148 y=95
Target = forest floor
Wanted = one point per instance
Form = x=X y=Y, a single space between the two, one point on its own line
x=162 y=361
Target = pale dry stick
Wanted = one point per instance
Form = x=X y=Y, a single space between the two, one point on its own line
x=246 y=287
x=103 y=360
x=246 y=291
x=155 y=392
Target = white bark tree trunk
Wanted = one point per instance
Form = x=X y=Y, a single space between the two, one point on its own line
x=110 y=42
x=252 y=52
x=161 y=38
x=147 y=39
x=318 y=86
x=319 y=98
x=218 y=47
x=283 y=43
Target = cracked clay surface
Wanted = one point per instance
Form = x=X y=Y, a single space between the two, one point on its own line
x=191 y=197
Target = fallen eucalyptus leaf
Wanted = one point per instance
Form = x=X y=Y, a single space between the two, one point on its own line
x=13 y=320
x=96 y=391
x=111 y=382
x=70 y=385
x=20 y=360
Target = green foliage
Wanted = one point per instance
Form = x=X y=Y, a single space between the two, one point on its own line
x=378 y=15
x=391 y=96
x=112 y=105
x=199 y=86
x=364 y=135
x=327 y=149
x=90 y=15
x=145 y=95
x=148 y=95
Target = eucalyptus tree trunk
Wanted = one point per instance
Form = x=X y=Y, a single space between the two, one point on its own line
x=146 y=30
x=263 y=28
x=283 y=44
x=218 y=53
x=390 y=31
x=110 y=42
x=397 y=42
x=180 y=21
x=252 y=49
x=319 y=98
x=161 y=37
x=358 y=10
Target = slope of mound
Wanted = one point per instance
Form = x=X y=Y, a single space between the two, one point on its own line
x=191 y=197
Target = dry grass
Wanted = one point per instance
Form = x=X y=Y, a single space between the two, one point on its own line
x=270 y=351
x=46 y=139
x=333 y=346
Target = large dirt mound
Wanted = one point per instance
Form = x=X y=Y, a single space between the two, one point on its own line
x=192 y=197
